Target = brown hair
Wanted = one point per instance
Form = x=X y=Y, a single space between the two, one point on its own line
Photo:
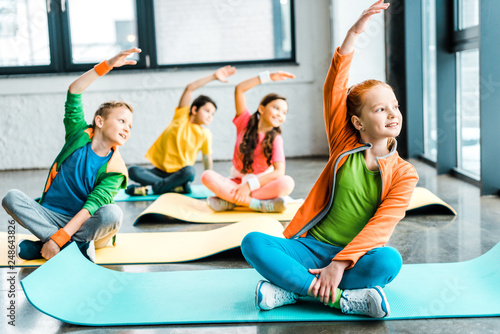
x=105 y=108
x=251 y=137
x=355 y=101
x=199 y=102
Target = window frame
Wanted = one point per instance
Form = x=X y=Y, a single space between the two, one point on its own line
x=463 y=40
x=60 y=44
x=429 y=123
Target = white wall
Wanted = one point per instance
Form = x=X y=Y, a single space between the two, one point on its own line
x=31 y=108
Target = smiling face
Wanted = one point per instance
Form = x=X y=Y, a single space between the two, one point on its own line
x=115 y=126
x=204 y=114
x=380 y=117
x=273 y=114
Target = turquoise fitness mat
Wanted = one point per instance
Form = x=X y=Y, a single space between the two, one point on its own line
x=74 y=290
x=198 y=191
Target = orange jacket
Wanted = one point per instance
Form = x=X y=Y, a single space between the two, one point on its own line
x=399 y=177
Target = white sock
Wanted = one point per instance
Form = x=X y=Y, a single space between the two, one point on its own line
x=255 y=204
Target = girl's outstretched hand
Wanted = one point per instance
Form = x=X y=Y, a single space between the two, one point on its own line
x=222 y=73
x=281 y=75
x=119 y=59
x=366 y=16
x=360 y=26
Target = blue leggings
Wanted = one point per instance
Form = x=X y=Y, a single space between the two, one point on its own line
x=285 y=262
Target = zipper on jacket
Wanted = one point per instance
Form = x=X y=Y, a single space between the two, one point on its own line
x=323 y=212
x=380 y=169
x=381 y=182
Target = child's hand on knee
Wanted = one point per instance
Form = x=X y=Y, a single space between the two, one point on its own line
x=49 y=249
x=328 y=280
x=241 y=193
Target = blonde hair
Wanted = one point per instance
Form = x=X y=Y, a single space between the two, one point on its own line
x=355 y=101
x=105 y=109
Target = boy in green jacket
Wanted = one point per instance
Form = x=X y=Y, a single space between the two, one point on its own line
x=77 y=201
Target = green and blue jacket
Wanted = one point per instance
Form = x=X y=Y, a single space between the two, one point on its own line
x=111 y=177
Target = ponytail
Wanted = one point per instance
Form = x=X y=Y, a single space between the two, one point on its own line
x=249 y=143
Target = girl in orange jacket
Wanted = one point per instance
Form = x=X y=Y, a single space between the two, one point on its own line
x=334 y=247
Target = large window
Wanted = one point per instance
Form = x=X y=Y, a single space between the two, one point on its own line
x=429 y=79
x=468 y=133
x=70 y=35
x=468 y=127
x=468 y=13
x=24 y=38
x=113 y=28
x=221 y=31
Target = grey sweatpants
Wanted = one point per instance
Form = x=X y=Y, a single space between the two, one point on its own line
x=43 y=223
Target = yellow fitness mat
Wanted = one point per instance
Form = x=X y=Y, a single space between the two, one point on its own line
x=179 y=207
x=423 y=201
x=166 y=247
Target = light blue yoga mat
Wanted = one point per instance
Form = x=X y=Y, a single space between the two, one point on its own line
x=74 y=290
x=198 y=191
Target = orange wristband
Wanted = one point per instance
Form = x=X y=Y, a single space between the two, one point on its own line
x=61 y=237
x=102 y=68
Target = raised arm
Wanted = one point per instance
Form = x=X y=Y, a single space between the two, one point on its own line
x=335 y=87
x=242 y=87
x=85 y=80
x=221 y=74
x=360 y=26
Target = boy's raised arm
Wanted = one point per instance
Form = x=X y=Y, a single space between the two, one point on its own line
x=85 y=80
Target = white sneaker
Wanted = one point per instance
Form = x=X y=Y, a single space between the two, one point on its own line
x=269 y=296
x=371 y=302
x=91 y=251
x=273 y=205
x=87 y=249
x=218 y=204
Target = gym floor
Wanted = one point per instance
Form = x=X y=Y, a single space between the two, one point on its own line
x=419 y=238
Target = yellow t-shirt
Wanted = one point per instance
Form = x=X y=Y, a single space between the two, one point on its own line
x=180 y=143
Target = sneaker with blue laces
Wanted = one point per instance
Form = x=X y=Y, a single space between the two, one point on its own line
x=273 y=205
x=218 y=204
x=371 y=302
x=269 y=296
x=29 y=250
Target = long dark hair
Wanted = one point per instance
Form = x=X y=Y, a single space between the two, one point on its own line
x=251 y=137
